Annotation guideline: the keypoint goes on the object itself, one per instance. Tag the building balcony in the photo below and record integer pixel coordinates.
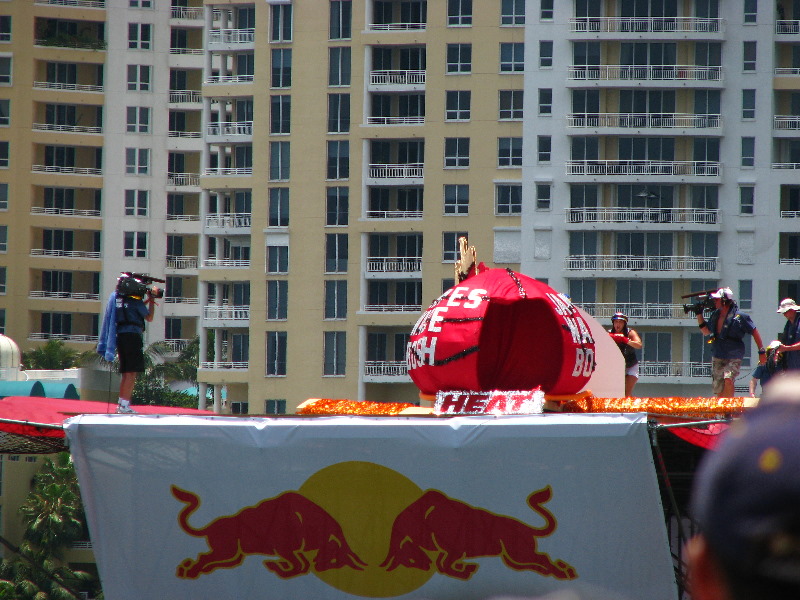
(226, 263)
(398, 26)
(239, 314)
(392, 308)
(644, 120)
(789, 261)
(787, 71)
(642, 311)
(217, 365)
(699, 216)
(176, 345)
(74, 42)
(228, 79)
(63, 295)
(183, 179)
(410, 215)
(228, 172)
(786, 165)
(397, 78)
(184, 134)
(790, 214)
(186, 51)
(787, 27)
(786, 123)
(66, 170)
(233, 130)
(185, 97)
(239, 221)
(180, 263)
(66, 128)
(644, 167)
(73, 3)
(67, 337)
(644, 73)
(401, 171)
(672, 370)
(394, 264)
(418, 120)
(180, 300)
(64, 212)
(385, 371)
(239, 39)
(183, 218)
(657, 264)
(191, 13)
(645, 25)
(64, 253)
(67, 87)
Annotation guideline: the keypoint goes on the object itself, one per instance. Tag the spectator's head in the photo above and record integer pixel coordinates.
(724, 295)
(746, 500)
(788, 308)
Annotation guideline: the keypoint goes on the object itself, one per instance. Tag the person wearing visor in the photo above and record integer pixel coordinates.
(628, 341)
(727, 328)
(790, 340)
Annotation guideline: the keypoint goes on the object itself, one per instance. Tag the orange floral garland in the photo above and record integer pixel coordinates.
(664, 406)
(328, 406)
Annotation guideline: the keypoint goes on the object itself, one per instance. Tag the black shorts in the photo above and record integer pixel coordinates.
(130, 348)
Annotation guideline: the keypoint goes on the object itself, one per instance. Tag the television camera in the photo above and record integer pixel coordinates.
(703, 301)
(139, 284)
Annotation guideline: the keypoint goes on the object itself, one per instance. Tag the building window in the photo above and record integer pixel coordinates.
(456, 199)
(4, 238)
(751, 11)
(512, 57)
(341, 14)
(280, 114)
(278, 207)
(338, 113)
(456, 152)
(137, 161)
(336, 250)
(457, 105)
(275, 407)
(135, 244)
(281, 59)
(338, 159)
(3, 196)
(276, 353)
(4, 154)
(136, 203)
(337, 202)
(745, 296)
(5, 70)
(510, 105)
(459, 13)
(139, 78)
(543, 196)
(339, 66)
(335, 299)
(508, 199)
(2, 280)
(450, 250)
(545, 101)
(277, 299)
(748, 104)
(749, 51)
(5, 113)
(335, 343)
(747, 200)
(138, 119)
(545, 54)
(546, 10)
(279, 161)
(748, 151)
(459, 58)
(240, 408)
(140, 3)
(277, 259)
(140, 36)
(509, 152)
(5, 28)
(512, 12)
(281, 23)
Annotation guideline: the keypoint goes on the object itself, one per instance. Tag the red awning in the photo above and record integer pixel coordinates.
(706, 437)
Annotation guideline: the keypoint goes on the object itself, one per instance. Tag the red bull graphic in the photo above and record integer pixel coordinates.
(369, 531)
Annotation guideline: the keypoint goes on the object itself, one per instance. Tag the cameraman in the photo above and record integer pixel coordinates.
(727, 328)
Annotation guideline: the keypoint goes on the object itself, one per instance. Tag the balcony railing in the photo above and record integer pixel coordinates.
(384, 308)
(67, 212)
(418, 120)
(243, 128)
(67, 87)
(176, 345)
(67, 337)
(385, 368)
(786, 26)
(181, 96)
(786, 122)
(179, 300)
(227, 313)
(181, 262)
(64, 253)
(645, 25)
(394, 214)
(789, 261)
(184, 134)
(184, 12)
(604, 310)
(184, 218)
(790, 214)
(621, 262)
(674, 369)
(76, 42)
(63, 295)
(228, 220)
(787, 165)
(645, 120)
(394, 77)
(406, 171)
(228, 172)
(66, 170)
(394, 264)
(183, 179)
(76, 3)
(212, 364)
(790, 71)
(231, 36)
(704, 216)
(644, 73)
(231, 263)
(644, 167)
(186, 51)
(397, 26)
(229, 79)
(66, 128)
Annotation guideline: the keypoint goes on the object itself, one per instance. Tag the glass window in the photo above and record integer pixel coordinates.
(338, 159)
(279, 161)
(546, 10)
(3, 196)
(139, 78)
(138, 119)
(749, 56)
(281, 23)
(341, 16)
(338, 113)
(512, 12)
(509, 152)
(748, 104)
(5, 113)
(277, 259)
(747, 199)
(4, 151)
(545, 54)
(275, 407)
(136, 203)
(337, 206)
(745, 297)
(280, 114)
(2, 280)
(457, 106)
(456, 152)
(456, 199)
(336, 251)
(335, 343)
(135, 244)
(459, 58)
(276, 353)
(459, 13)
(751, 11)
(450, 249)
(140, 3)
(5, 28)
(508, 199)
(339, 66)
(545, 101)
(748, 151)
(3, 238)
(543, 196)
(277, 299)
(335, 299)
(510, 102)
(140, 36)
(137, 161)
(278, 207)
(5, 70)
(281, 59)
(512, 57)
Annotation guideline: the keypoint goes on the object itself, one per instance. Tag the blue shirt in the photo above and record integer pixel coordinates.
(762, 374)
(728, 342)
(791, 335)
(131, 313)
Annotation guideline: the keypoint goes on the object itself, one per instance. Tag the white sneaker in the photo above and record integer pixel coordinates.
(127, 410)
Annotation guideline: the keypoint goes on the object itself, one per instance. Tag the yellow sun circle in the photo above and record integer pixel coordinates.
(365, 498)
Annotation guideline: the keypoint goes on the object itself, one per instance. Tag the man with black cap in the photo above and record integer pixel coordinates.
(746, 500)
(790, 340)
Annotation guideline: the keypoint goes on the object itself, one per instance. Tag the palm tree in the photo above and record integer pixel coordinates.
(55, 355)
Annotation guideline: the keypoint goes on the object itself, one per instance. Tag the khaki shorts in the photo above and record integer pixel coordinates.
(722, 369)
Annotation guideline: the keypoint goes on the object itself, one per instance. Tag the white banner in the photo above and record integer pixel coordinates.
(461, 508)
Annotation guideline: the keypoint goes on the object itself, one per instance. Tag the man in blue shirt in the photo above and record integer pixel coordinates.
(790, 341)
(131, 314)
(728, 326)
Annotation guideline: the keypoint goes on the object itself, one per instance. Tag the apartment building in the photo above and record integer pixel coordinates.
(662, 152)
(100, 147)
(348, 145)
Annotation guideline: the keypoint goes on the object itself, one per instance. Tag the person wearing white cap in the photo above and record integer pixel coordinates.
(790, 340)
(727, 328)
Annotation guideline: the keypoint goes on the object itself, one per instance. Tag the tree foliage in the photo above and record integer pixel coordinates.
(55, 355)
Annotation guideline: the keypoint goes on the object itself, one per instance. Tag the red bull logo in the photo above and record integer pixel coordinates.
(369, 531)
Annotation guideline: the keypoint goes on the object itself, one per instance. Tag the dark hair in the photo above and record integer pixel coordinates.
(747, 586)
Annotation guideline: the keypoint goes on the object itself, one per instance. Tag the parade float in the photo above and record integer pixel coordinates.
(521, 471)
